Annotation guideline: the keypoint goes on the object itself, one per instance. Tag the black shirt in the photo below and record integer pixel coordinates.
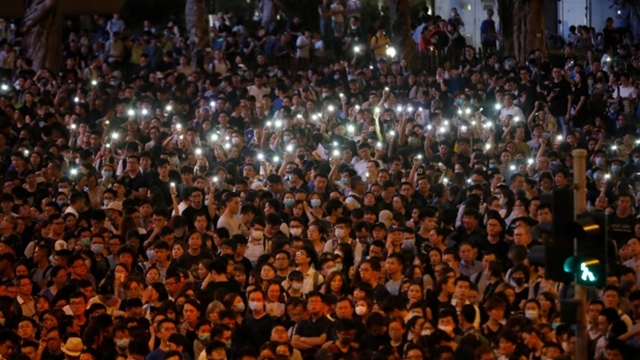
(621, 229)
(256, 332)
(310, 328)
(187, 261)
(190, 213)
(136, 183)
(558, 104)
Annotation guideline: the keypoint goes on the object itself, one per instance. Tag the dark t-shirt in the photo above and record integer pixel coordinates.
(136, 183)
(310, 328)
(187, 261)
(558, 104)
(501, 248)
(256, 332)
(190, 213)
(621, 229)
(165, 189)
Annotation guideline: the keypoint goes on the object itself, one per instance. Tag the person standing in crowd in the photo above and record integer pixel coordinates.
(350, 204)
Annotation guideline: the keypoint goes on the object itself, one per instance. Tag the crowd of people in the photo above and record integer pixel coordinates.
(276, 198)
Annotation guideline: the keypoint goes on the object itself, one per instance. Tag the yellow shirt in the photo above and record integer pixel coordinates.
(375, 40)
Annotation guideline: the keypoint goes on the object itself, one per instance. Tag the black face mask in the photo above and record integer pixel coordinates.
(202, 168)
(302, 157)
(518, 280)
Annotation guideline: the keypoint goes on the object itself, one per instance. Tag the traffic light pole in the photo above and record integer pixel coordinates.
(580, 206)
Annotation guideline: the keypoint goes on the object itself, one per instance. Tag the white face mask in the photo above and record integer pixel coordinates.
(341, 233)
(361, 310)
(531, 314)
(256, 234)
(295, 231)
(446, 328)
(426, 332)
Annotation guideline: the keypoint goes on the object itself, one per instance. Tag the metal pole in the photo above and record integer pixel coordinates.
(580, 206)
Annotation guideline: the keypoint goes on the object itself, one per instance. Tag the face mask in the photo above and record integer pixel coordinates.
(407, 244)
(288, 202)
(471, 102)
(227, 344)
(255, 306)
(286, 139)
(107, 174)
(344, 181)
(86, 241)
(460, 101)
(273, 147)
(235, 141)
(176, 161)
(340, 233)
(204, 337)
(636, 161)
(122, 343)
(297, 286)
(426, 332)
(240, 308)
(518, 281)
(361, 310)
(60, 203)
(554, 326)
(615, 168)
(257, 234)
(202, 168)
(493, 166)
(295, 231)
(151, 255)
(87, 263)
(531, 314)
(599, 161)
(324, 95)
(106, 202)
(597, 177)
(97, 248)
(413, 141)
(315, 203)
(338, 267)
(302, 157)
(336, 77)
(446, 328)
(590, 82)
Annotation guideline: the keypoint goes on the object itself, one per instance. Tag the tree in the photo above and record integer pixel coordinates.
(399, 13)
(43, 34)
(522, 27)
(196, 21)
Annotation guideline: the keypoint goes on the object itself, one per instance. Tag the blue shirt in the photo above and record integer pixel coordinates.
(157, 354)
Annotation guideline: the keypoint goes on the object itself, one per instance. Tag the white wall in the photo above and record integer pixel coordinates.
(572, 12)
(472, 13)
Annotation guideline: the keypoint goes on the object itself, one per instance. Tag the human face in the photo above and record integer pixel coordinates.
(190, 313)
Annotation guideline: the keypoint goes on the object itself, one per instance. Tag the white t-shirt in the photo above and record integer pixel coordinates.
(305, 50)
(626, 92)
(513, 111)
(259, 93)
(318, 48)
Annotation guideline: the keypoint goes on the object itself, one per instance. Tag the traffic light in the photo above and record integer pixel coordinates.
(561, 246)
(590, 263)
